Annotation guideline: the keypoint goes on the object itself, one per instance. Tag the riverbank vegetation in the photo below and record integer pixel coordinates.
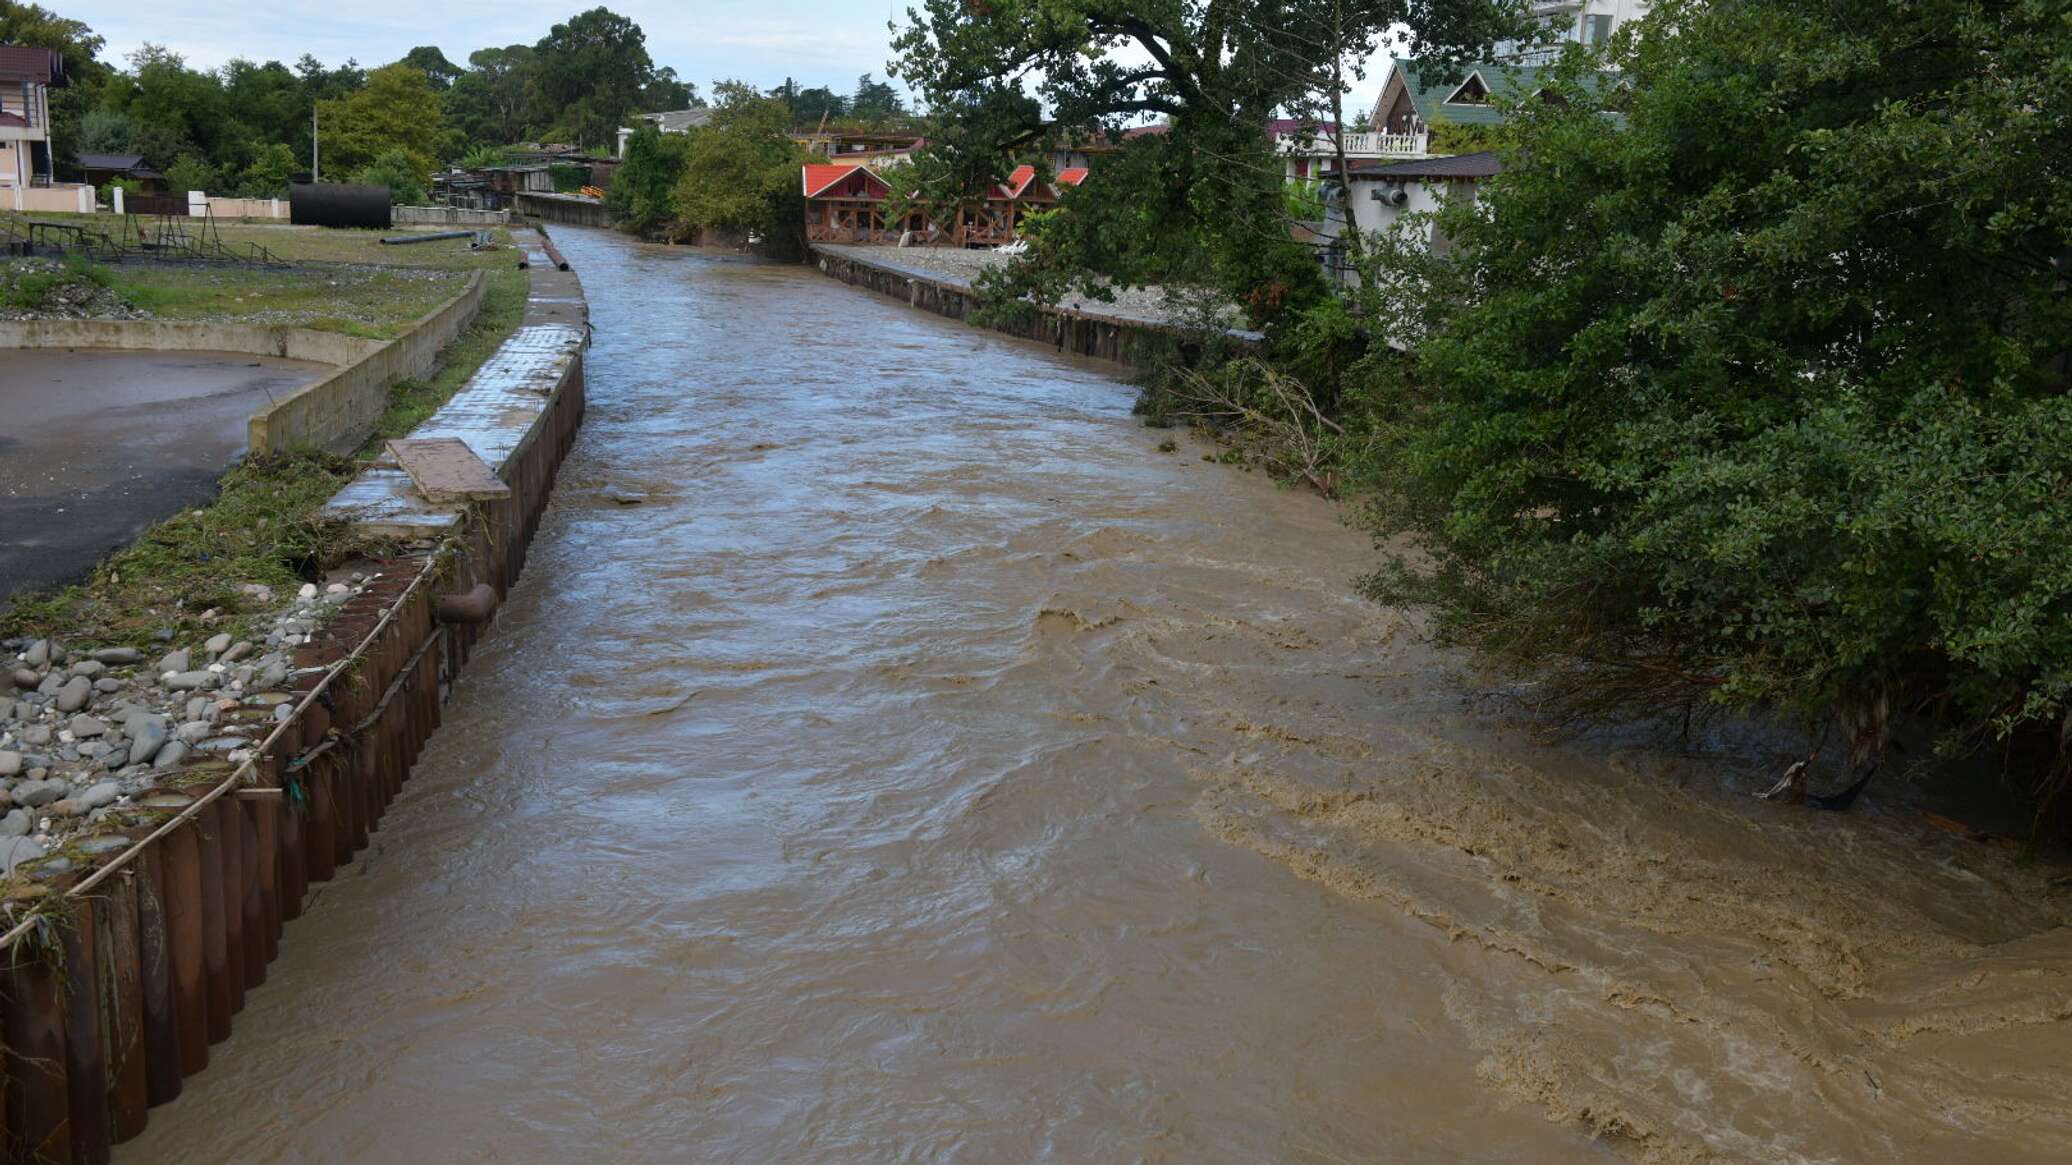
(1742, 387)
(734, 179)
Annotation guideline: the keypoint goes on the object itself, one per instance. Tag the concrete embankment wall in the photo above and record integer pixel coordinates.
(1136, 343)
(339, 411)
(141, 941)
(562, 208)
(451, 216)
(335, 412)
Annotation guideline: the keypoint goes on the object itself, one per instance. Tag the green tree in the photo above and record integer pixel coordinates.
(1200, 203)
(191, 172)
(876, 102)
(589, 76)
(439, 71)
(105, 131)
(639, 197)
(1758, 395)
(810, 106)
(666, 91)
(741, 172)
(269, 173)
(398, 171)
(397, 112)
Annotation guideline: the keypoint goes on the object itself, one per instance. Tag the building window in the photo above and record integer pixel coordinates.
(1597, 28)
(1471, 92)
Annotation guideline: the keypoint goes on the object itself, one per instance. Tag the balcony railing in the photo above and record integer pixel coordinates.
(1357, 145)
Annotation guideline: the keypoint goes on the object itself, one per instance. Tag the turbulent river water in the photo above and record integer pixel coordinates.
(932, 769)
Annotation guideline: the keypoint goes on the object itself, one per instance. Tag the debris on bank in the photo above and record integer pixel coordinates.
(45, 289)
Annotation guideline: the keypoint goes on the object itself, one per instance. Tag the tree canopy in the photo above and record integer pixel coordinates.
(1201, 202)
(1746, 382)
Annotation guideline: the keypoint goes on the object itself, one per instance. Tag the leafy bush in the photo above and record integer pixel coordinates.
(394, 170)
(568, 179)
(1762, 398)
(639, 193)
(484, 157)
(189, 173)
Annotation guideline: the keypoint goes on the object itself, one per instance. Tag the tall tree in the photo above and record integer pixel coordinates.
(741, 172)
(591, 72)
(1757, 393)
(490, 102)
(427, 59)
(396, 113)
(875, 101)
(1203, 202)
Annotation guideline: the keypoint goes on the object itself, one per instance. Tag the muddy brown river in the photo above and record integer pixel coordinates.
(934, 770)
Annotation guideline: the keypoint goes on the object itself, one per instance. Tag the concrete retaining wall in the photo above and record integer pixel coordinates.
(339, 411)
(170, 336)
(1135, 343)
(562, 208)
(448, 216)
(335, 413)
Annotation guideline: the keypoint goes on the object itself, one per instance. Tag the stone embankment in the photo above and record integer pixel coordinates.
(88, 734)
(176, 801)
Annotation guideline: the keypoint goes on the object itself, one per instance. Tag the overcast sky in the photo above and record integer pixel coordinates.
(820, 42)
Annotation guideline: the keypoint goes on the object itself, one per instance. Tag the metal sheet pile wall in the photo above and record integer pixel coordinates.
(145, 940)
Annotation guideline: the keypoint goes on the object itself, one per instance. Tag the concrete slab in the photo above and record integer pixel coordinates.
(97, 445)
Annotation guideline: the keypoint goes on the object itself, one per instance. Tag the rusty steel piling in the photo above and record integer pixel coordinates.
(116, 978)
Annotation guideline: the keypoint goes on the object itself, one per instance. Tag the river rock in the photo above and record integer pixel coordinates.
(16, 850)
(75, 694)
(35, 794)
(193, 681)
(193, 732)
(10, 764)
(90, 668)
(119, 656)
(237, 652)
(25, 678)
(147, 736)
(175, 661)
(15, 824)
(38, 655)
(87, 727)
(101, 794)
(217, 644)
(107, 685)
(170, 756)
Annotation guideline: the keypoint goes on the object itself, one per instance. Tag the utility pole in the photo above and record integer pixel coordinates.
(316, 171)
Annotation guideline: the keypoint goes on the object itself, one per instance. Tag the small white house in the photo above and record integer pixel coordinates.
(1380, 193)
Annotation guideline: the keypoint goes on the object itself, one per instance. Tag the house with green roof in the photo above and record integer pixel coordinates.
(1417, 97)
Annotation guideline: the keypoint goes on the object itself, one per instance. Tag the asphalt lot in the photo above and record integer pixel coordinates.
(97, 445)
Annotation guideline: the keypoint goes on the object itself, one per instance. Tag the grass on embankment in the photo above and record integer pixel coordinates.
(373, 303)
(261, 528)
(377, 297)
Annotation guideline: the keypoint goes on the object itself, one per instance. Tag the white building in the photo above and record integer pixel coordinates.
(26, 75)
(1586, 22)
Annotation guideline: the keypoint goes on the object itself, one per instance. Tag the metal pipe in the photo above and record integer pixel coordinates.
(405, 240)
